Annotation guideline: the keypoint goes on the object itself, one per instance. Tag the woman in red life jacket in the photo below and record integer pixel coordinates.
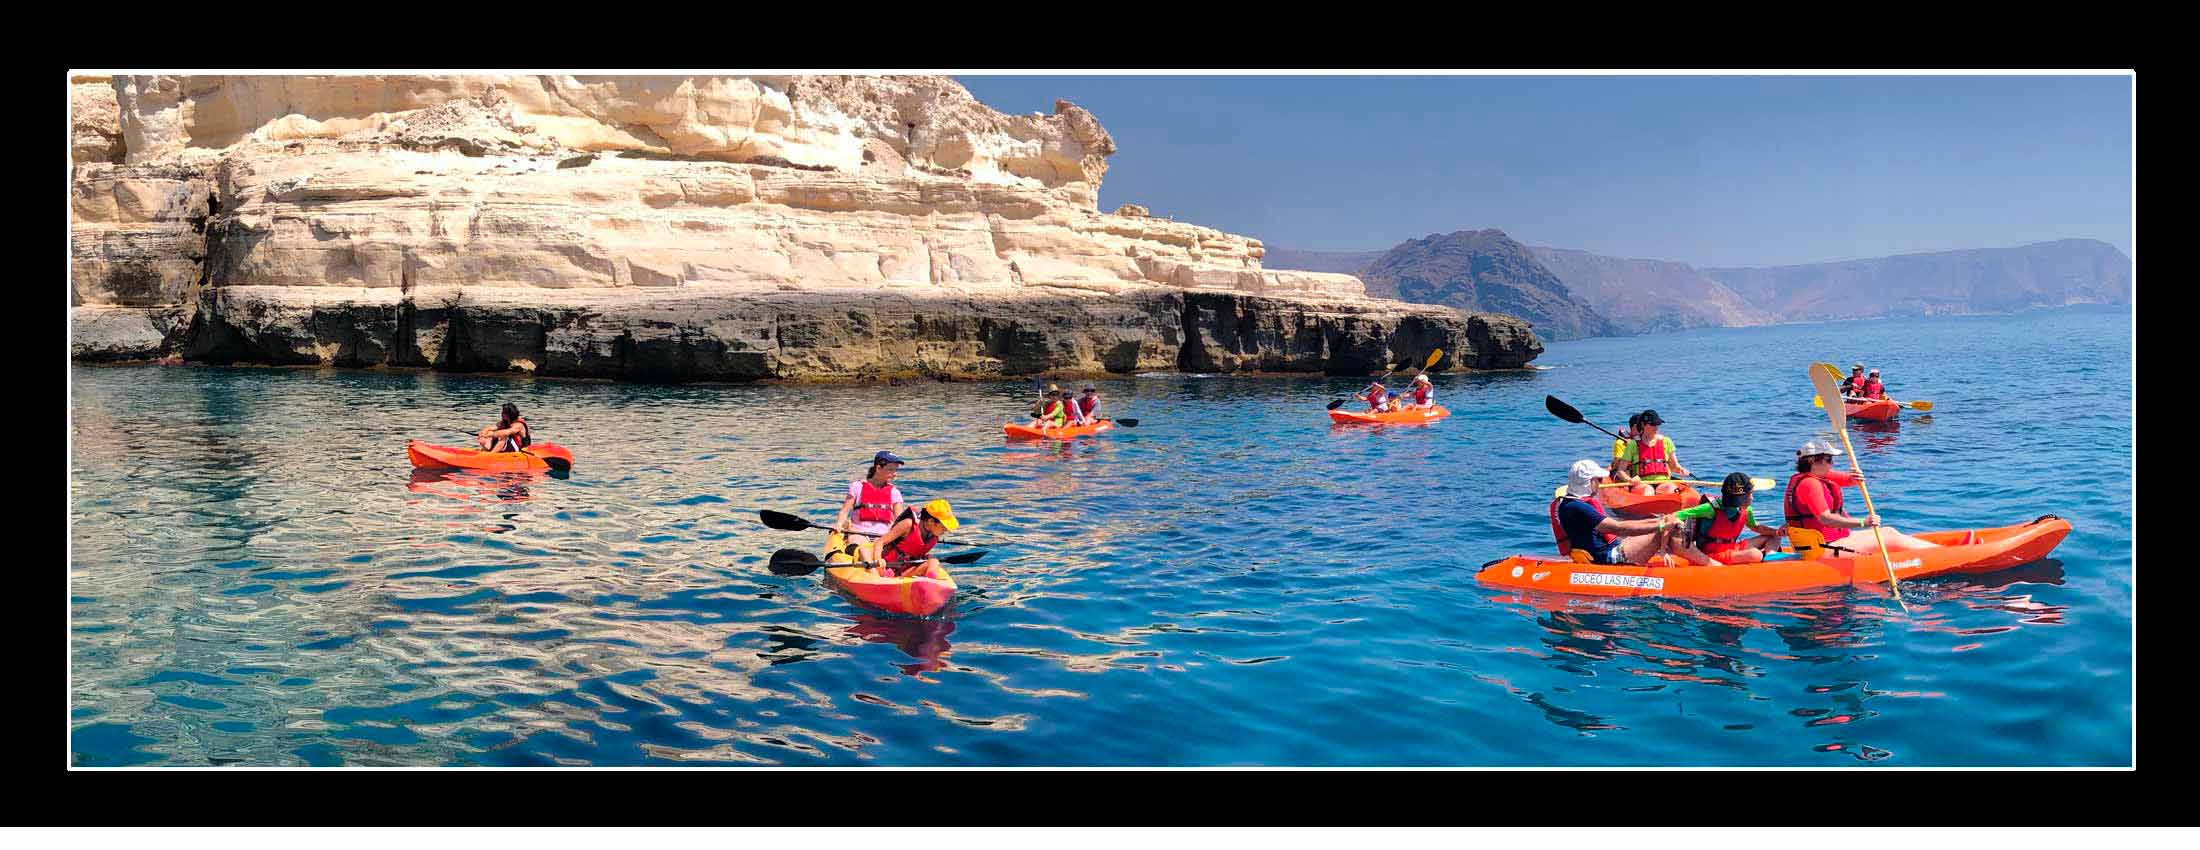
(1814, 501)
(1579, 522)
(1873, 388)
(1423, 392)
(1647, 459)
(1716, 527)
(907, 547)
(1377, 397)
(509, 435)
(873, 502)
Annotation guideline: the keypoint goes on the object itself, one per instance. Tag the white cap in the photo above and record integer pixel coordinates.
(1581, 479)
(1423, 377)
(1815, 446)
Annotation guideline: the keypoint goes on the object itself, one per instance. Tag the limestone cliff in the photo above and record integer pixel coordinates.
(669, 228)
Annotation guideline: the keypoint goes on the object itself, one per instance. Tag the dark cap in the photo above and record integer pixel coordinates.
(1650, 417)
(886, 457)
(1089, 389)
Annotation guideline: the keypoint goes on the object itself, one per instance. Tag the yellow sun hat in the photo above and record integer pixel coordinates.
(938, 509)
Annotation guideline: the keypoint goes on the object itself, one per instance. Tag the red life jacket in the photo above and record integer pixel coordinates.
(1852, 385)
(1797, 516)
(1874, 389)
(1055, 412)
(1087, 403)
(1649, 461)
(875, 504)
(913, 546)
(1376, 394)
(1720, 534)
(1420, 393)
(1558, 530)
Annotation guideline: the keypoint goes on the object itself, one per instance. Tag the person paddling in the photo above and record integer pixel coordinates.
(1853, 385)
(1647, 458)
(1053, 413)
(1581, 525)
(1376, 395)
(510, 434)
(1424, 392)
(907, 546)
(1715, 527)
(873, 501)
(1873, 388)
(1813, 501)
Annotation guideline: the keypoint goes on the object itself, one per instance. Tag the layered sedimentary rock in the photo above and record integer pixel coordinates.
(669, 228)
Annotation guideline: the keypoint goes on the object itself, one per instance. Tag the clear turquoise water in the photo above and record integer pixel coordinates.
(257, 575)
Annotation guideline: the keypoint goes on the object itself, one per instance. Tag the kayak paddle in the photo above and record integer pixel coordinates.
(1824, 376)
(799, 562)
(790, 522)
(1919, 406)
(1426, 365)
(1567, 412)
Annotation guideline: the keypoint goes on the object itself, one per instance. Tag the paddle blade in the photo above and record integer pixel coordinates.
(794, 562)
(1433, 356)
(1761, 484)
(1919, 406)
(1826, 377)
(1561, 409)
(964, 558)
(785, 522)
(1336, 404)
(1127, 423)
(1559, 493)
(1818, 401)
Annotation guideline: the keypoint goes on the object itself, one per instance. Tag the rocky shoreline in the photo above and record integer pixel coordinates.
(672, 229)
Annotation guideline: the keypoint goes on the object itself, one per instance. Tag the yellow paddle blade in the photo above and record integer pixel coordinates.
(1817, 401)
(1825, 377)
(1920, 406)
(1433, 356)
(1559, 493)
(1761, 483)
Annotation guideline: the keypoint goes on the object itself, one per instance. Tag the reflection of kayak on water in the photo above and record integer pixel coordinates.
(923, 640)
(470, 485)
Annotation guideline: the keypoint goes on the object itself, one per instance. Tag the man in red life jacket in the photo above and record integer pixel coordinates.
(1585, 532)
(873, 501)
(1376, 395)
(1853, 385)
(906, 549)
(1085, 409)
(1814, 501)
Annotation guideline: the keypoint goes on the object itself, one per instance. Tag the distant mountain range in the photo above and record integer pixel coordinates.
(1569, 293)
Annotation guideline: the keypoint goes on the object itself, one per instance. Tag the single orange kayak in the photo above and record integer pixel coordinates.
(1624, 500)
(1408, 416)
(1052, 433)
(1871, 411)
(1978, 551)
(916, 595)
(534, 458)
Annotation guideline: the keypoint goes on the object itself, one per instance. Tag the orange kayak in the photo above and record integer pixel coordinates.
(919, 596)
(1408, 416)
(1979, 551)
(1051, 433)
(1624, 500)
(1871, 411)
(531, 459)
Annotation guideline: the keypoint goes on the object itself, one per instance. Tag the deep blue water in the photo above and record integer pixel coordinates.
(258, 576)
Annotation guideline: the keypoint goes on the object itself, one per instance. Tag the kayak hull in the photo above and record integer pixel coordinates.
(1624, 500)
(1994, 549)
(1879, 410)
(1065, 432)
(1408, 416)
(431, 456)
(917, 596)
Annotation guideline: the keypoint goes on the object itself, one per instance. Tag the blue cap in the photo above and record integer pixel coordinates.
(887, 457)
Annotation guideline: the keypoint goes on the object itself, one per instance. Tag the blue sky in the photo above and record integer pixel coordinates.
(1713, 171)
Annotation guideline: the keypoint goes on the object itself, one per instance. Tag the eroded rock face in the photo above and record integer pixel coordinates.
(666, 227)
